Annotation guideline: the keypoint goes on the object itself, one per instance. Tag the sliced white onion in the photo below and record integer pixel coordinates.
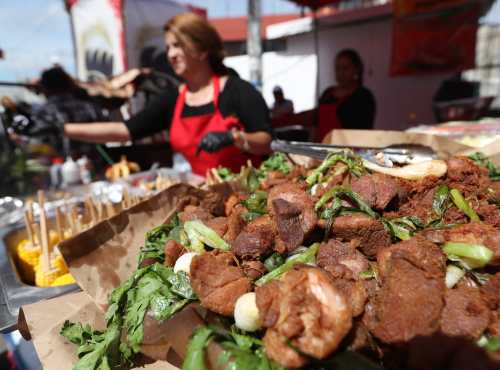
(183, 263)
(246, 313)
(412, 171)
(453, 275)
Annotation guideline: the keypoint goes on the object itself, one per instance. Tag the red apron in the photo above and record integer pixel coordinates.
(187, 132)
(327, 119)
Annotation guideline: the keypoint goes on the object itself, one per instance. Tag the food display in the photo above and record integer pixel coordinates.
(338, 266)
(69, 221)
(121, 169)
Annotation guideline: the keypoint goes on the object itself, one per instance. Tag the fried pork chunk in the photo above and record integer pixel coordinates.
(463, 174)
(302, 310)
(465, 314)
(256, 240)
(218, 281)
(411, 298)
(369, 234)
(377, 190)
(292, 211)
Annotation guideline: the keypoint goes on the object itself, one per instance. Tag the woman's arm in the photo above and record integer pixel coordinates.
(258, 143)
(99, 132)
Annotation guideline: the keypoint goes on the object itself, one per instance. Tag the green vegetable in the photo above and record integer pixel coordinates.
(225, 174)
(371, 273)
(256, 202)
(308, 256)
(240, 352)
(276, 162)
(471, 255)
(154, 287)
(250, 216)
(354, 164)
(493, 344)
(481, 160)
(200, 234)
(274, 261)
(439, 202)
(403, 228)
(339, 192)
(195, 355)
(154, 246)
(462, 204)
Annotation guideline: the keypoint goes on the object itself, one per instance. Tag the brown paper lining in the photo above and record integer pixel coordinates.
(106, 255)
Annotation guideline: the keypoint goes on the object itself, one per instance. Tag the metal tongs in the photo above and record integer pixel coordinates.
(400, 154)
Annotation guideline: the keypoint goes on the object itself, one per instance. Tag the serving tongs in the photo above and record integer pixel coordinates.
(400, 154)
(417, 160)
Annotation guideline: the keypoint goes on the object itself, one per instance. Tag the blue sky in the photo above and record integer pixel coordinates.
(34, 34)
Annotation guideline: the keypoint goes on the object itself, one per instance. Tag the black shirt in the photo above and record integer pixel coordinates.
(239, 98)
(357, 111)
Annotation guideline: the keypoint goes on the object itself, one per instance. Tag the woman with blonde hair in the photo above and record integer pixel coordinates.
(213, 118)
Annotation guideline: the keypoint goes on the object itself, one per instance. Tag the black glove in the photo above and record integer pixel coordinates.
(214, 141)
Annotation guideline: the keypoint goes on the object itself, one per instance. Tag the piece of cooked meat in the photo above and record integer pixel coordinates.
(288, 223)
(464, 314)
(477, 233)
(192, 213)
(305, 309)
(489, 213)
(470, 179)
(377, 189)
(408, 304)
(218, 224)
(213, 202)
(218, 281)
(235, 223)
(253, 245)
(173, 251)
(253, 269)
(419, 251)
(491, 292)
(291, 206)
(370, 234)
(334, 252)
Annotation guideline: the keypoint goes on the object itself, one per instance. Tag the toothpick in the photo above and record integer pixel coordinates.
(90, 206)
(44, 232)
(100, 211)
(59, 224)
(74, 219)
(71, 221)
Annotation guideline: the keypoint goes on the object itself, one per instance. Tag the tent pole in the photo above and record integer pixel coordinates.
(254, 43)
(316, 48)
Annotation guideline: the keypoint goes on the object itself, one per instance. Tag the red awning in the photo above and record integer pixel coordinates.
(314, 4)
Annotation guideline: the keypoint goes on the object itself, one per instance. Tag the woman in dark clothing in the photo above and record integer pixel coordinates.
(349, 104)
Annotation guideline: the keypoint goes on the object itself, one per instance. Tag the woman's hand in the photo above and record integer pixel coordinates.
(214, 141)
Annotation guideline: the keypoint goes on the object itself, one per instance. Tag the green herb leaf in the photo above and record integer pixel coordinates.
(225, 174)
(256, 202)
(493, 344)
(195, 355)
(439, 202)
(276, 162)
(481, 160)
(307, 256)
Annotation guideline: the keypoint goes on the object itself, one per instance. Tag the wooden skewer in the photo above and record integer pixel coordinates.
(110, 209)
(29, 228)
(74, 219)
(91, 210)
(126, 198)
(29, 210)
(79, 223)
(100, 211)
(70, 219)
(44, 232)
(59, 224)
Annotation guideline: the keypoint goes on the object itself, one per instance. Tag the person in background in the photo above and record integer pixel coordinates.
(348, 104)
(281, 105)
(214, 119)
(64, 104)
